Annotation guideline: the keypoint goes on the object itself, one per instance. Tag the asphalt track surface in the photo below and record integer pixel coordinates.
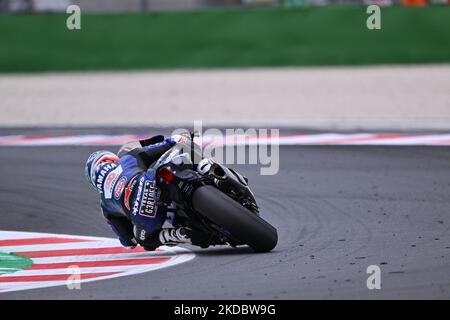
(337, 210)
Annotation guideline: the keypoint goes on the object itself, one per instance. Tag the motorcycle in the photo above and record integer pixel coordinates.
(218, 203)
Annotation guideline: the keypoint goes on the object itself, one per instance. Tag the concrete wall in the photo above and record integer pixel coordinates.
(362, 98)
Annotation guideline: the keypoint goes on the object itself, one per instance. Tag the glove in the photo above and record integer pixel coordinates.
(148, 241)
(123, 229)
(151, 243)
(152, 140)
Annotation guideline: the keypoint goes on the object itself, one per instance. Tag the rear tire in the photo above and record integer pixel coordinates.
(240, 222)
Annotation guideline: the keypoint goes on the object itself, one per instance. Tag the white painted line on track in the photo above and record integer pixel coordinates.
(283, 139)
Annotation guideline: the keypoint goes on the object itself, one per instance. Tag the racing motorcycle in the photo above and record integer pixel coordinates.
(219, 203)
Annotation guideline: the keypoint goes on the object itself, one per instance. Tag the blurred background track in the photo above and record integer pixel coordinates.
(289, 64)
(260, 37)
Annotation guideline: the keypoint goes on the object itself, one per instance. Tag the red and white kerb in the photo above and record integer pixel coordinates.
(55, 257)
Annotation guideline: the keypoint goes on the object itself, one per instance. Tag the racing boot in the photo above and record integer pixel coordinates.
(173, 236)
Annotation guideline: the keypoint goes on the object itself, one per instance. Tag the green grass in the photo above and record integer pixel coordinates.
(221, 39)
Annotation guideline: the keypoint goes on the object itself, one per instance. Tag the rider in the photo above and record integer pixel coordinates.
(129, 194)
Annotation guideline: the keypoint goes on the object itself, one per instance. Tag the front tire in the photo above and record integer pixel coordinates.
(240, 222)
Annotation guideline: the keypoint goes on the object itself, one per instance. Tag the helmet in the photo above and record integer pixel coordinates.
(95, 161)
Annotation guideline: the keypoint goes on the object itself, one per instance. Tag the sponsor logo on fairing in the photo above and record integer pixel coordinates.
(110, 181)
(104, 170)
(128, 191)
(148, 203)
(138, 196)
(145, 202)
(118, 190)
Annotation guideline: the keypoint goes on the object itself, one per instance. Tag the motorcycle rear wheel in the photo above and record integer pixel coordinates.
(240, 222)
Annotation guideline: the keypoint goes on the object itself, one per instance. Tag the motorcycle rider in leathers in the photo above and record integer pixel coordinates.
(129, 194)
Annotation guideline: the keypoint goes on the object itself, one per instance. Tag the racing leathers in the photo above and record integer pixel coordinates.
(129, 196)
